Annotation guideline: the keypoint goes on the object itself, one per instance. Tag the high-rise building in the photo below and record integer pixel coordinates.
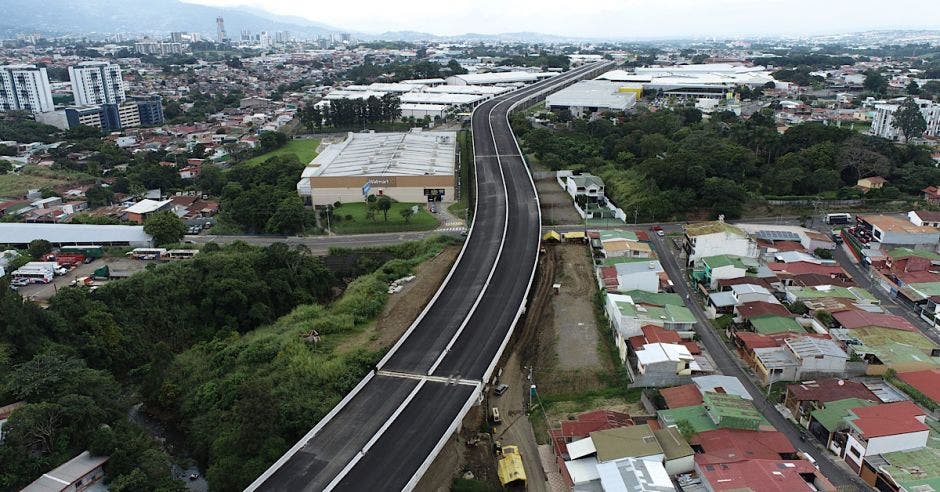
(177, 37)
(25, 87)
(150, 109)
(246, 36)
(96, 82)
(220, 29)
(883, 121)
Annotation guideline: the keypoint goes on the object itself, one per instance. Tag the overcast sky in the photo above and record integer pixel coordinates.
(609, 18)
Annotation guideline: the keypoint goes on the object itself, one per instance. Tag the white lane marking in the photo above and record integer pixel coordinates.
(365, 449)
(499, 252)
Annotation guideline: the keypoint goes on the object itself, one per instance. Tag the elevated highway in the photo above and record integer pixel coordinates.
(386, 432)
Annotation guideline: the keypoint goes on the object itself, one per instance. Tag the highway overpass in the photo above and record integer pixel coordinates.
(386, 432)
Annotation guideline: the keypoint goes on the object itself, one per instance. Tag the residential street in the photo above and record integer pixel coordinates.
(727, 363)
(863, 279)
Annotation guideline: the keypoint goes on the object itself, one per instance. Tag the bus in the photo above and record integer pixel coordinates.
(838, 219)
(181, 254)
(88, 251)
(146, 253)
(34, 275)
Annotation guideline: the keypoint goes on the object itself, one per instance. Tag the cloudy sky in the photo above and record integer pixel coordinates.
(609, 18)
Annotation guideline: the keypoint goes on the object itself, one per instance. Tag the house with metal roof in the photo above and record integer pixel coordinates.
(628, 316)
(732, 411)
(884, 428)
(772, 364)
(78, 473)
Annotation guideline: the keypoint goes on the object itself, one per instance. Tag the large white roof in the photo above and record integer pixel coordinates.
(383, 87)
(18, 233)
(483, 90)
(416, 153)
(593, 93)
(146, 206)
(671, 77)
(436, 98)
(496, 78)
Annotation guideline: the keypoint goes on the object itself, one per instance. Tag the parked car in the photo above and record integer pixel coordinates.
(658, 230)
(500, 389)
(19, 282)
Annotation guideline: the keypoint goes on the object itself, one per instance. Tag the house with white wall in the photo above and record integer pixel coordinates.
(716, 238)
(884, 429)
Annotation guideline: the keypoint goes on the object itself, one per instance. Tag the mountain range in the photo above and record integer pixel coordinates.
(156, 17)
(159, 17)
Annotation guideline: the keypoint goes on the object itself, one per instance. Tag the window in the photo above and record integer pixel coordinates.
(855, 452)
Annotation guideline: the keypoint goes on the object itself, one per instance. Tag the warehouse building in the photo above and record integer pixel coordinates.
(590, 97)
(498, 78)
(19, 235)
(713, 80)
(417, 166)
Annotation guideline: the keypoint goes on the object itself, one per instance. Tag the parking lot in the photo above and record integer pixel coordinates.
(41, 293)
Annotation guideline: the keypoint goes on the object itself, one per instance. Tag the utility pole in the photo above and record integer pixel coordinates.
(636, 212)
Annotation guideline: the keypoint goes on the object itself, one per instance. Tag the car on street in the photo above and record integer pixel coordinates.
(19, 282)
(658, 230)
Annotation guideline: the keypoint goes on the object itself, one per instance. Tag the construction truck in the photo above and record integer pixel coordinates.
(509, 467)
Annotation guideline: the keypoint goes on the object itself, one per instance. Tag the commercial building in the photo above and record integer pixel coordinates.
(710, 80)
(589, 97)
(417, 166)
(888, 229)
(26, 88)
(78, 473)
(882, 124)
(117, 116)
(97, 82)
(19, 235)
(497, 78)
(149, 47)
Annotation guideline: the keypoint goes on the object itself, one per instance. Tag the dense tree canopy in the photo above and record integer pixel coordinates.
(669, 164)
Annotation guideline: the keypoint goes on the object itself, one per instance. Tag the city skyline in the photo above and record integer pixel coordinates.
(607, 18)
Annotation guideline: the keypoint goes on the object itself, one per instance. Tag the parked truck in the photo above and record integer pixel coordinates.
(68, 260)
(92, 252)
(510, 469)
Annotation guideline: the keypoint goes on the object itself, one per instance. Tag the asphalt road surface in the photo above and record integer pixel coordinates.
(391, 429)
(727, 364)
(863, 279)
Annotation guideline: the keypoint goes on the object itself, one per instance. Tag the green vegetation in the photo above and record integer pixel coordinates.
(217, 347)
(304, 150)
(353, 218)
(165, 227)
(34, 177)
(675, 165)
(462, 208)
(261, 197)
(346, 113)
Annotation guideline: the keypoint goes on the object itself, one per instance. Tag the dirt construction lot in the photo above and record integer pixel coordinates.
(555, 203)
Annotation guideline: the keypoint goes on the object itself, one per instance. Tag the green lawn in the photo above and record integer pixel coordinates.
(16, 184)
(359, 224)
(305, 150)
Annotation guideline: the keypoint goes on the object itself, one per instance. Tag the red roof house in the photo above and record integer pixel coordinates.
(687, 395)
(860, 319)
(762, 475)
(730, 445)
(926, 381)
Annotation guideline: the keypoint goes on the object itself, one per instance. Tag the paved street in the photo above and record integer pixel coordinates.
(727, 363)
(864, 279)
